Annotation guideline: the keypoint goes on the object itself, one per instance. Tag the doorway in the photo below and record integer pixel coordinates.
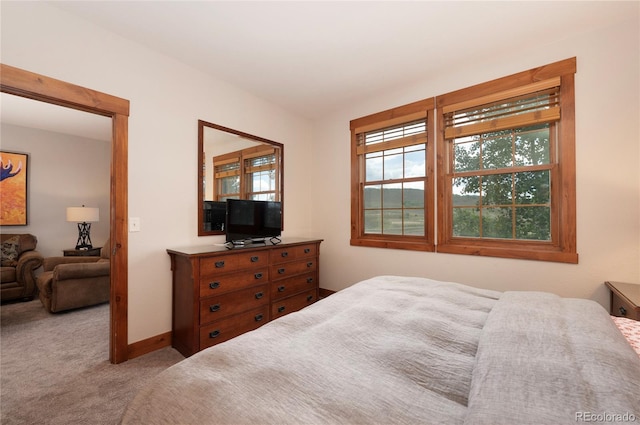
(38, 87)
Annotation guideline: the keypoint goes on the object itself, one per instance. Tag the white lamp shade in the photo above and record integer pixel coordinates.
(83, 214)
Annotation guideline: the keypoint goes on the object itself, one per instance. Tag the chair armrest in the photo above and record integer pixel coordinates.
(28, 262)
(50, 263)
(81, 270)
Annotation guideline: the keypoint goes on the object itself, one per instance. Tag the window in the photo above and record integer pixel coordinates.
(247, 174)
(260, 170)
(506, 182)
(392, 159)
(505, 170)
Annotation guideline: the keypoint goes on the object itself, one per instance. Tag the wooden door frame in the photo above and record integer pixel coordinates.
(38, 87)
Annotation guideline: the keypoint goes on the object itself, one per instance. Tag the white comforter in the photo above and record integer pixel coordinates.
(397, 350)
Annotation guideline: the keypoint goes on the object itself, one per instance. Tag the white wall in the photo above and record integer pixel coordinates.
(608, 181)
(167, 99)
(64, 171)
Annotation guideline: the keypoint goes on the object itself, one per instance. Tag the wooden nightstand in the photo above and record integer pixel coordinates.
(93, 252)
(625, 299)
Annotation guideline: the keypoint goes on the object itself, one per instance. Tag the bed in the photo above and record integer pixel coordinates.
(406, 350)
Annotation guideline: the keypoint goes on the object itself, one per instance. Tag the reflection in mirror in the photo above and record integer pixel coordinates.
(234, 165)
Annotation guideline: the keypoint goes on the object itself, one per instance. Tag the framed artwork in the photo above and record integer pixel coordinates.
(13, 188)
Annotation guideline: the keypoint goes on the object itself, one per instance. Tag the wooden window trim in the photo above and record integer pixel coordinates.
(563, 190)
(563, 247)
(402, 114)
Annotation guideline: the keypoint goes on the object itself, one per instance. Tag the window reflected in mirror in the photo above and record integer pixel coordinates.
(234, 165)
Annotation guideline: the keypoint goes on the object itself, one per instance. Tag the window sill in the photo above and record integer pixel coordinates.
(520, 251)
(412, 245)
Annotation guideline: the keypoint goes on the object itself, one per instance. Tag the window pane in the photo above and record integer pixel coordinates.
(533, 223)
(392, 222)
(392, 195)
(532, 146)
(373, 167)
(533, 187)
(372, 197)
(393, 166)
(262, 181)
(415, 163)
(466, 151)
(263, 196)
(466, 190)
(373, 221)
(413, 195)
(496, 150)
(497, 223)
(230, 184)
(414, 222)
(466, 222)
(496, 189)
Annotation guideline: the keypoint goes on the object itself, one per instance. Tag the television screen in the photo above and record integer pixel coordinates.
(249, 220)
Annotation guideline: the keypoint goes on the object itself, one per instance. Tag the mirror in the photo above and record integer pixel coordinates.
(233, 164)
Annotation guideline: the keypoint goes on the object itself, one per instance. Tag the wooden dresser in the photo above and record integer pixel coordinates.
(220, 293)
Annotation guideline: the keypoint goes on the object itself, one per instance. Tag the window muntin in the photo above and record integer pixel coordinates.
(505, 178)
(393, 188)
(261, 177)
(226, 179)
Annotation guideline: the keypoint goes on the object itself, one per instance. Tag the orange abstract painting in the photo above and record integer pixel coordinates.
(13, 189)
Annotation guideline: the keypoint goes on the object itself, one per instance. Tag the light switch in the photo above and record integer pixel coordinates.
(134, 224)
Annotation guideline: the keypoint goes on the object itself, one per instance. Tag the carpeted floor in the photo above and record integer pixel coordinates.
(54, 368)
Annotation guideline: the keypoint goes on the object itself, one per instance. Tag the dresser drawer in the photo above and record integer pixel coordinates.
(291, 304)
(224, 329)
(233, 262)
(281, 255)
(623, 308)
(230, 282)
(218, 307)
(291, 286)
(280, 271)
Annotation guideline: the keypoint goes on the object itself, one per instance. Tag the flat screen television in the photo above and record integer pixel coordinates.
(250, 221)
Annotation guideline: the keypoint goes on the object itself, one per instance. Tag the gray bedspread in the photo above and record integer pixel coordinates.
(400, 350)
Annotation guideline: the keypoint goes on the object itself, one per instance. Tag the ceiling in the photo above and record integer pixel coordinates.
(312, 57)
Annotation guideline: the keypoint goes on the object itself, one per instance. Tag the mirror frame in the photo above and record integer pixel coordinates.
(201, 126)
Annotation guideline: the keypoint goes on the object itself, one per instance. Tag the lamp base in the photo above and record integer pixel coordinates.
(84, 240)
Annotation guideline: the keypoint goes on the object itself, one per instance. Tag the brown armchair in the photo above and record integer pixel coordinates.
(73, 282)
(20, 260)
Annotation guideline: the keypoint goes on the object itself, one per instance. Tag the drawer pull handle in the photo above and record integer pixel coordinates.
(284, 254)
(259, 317)
(219, 264)
(310, 298)
(214, 334)
(281, 288)
(623, 311)
(214, 285)
(307, 250)
(280, 309)
(254, 259)
(310, 264)
(214, 308)
(258, 275)
(309, 280)
(280, 271)
(259, 295)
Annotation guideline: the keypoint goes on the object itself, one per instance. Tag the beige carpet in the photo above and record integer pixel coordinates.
(54, 369)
